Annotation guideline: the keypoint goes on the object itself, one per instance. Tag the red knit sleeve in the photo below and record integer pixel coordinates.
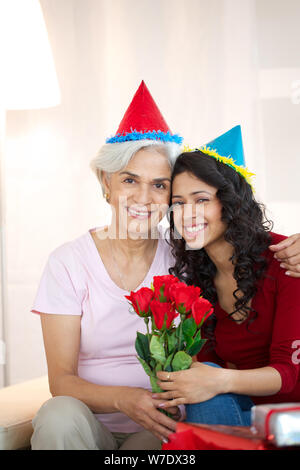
(286, 330)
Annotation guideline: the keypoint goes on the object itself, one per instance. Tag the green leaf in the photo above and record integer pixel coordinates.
(162, 338)
(189, 327)
(168, 366)
(181, 361)
(172, 342)
(142, 346)
(198, 336)
(196, 347)
(146, 366)
(189, 342)
(158, 367)
(155, 387)
(157, 349)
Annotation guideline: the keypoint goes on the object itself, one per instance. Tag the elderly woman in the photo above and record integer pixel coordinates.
(101, 395)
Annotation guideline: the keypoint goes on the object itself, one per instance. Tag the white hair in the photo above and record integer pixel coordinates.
(112, 158)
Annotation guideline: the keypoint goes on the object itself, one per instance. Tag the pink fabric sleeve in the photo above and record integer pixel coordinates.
(59, 290)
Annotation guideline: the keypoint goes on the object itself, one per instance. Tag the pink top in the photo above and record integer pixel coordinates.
(75, 282)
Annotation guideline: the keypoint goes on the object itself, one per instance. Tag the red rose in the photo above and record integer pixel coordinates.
(162, 285)
(140, 301)
(162, 311)
(201, 309)
(184, 296)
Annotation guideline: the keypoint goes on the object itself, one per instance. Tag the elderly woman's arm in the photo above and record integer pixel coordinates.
(288, 253)
(62, 341)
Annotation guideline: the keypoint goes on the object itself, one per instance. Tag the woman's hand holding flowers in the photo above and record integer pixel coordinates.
(199, 383)
(144, 410)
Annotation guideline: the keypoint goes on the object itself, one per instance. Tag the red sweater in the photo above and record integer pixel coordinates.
(272, 339)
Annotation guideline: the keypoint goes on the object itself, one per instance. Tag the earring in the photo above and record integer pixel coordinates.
(106, 195)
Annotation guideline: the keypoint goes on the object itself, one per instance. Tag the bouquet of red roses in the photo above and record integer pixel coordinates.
(166, 346)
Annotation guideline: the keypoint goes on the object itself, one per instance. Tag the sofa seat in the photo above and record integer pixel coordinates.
(18, 405)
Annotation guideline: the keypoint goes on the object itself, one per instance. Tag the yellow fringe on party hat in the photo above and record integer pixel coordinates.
(244, 172)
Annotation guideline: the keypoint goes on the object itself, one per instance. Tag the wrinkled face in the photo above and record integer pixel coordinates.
(197, 211)
(139, 193)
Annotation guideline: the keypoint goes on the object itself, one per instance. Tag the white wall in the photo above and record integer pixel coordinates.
(279, 63)
(206, 62)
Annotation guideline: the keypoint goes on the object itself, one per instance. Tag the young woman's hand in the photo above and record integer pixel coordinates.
(139, 405)
(199, 383)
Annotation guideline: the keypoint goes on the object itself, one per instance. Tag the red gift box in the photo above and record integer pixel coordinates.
(215, 437)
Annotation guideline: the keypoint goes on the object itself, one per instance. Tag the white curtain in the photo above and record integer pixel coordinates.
(199, 59)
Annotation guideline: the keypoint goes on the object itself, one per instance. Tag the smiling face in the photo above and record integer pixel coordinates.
(197, 211)
(139, 193)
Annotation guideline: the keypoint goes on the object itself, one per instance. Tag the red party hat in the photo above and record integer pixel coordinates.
(143, 120)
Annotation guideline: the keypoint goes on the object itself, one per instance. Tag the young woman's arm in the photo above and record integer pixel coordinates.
(62, 340)
(255, 382)
(202, 382)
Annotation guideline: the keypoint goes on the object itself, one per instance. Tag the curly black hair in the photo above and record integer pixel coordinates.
(248, 231)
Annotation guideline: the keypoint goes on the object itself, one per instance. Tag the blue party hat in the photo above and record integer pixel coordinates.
(230, 144)
(228, 149)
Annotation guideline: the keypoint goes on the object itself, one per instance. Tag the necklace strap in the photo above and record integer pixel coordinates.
(117, 267)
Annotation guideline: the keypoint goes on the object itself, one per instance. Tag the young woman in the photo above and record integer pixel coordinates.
(251, 354)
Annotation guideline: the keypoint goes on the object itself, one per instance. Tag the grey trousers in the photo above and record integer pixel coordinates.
(65, 423)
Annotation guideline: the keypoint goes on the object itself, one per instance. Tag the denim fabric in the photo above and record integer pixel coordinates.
(229, 409)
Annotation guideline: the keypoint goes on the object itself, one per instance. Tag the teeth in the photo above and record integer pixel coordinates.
(141, 214)
(195, 229)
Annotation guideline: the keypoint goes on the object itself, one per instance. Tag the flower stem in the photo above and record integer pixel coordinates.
(146, 320)
(182, 318)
